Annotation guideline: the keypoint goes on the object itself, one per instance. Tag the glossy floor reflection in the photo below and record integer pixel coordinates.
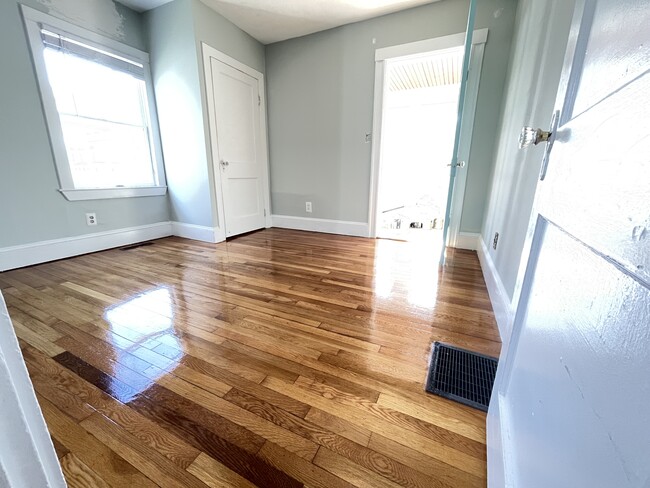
(280, 358)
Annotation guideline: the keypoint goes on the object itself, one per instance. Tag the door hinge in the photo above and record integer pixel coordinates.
(259, 100)
(264, 212)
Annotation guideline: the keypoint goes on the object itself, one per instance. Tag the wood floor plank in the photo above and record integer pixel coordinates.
(419, 442)
(447, 422)
(59, 448)
(339, 426)
(148, 432)
(151, 463)
(78, 475)
(201, 430)
(308, 473)
(444, 474)
(215, 474)
(240, 416)
(430, 430)
(349, 471)
(286, 403)
(380, 464)
(108, 464)
(277, 358)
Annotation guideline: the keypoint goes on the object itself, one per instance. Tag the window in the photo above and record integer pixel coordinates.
(97, 99)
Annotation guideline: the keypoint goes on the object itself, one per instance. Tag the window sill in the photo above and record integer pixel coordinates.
(108, 193)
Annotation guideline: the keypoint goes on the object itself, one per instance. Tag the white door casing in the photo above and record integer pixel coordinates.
(414, 49)
(27, 456)
(236, 108)
(571, 396)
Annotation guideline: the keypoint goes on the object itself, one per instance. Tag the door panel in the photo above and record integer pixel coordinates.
(606, 65)
(240, 161)
(571, 405)
(572, 390)
(597, 179)
(237, 133)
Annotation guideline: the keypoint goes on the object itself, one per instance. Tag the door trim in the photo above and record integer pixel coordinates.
(415, 49)
(217, 196)
(29, 459)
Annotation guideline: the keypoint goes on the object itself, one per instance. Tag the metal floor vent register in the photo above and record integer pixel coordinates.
(463, 376)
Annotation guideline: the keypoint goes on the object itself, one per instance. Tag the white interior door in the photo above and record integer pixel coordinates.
(572, 393)
(239, 151)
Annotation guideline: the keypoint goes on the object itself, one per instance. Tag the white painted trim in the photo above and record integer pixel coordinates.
(467, 240)
(460, 181)
(418, 47)
(197, 232)
(32, 18)
(375, 156)
(27, 456)
(342, 227)
(51, 250)
(103, 193)
(208, 53)
(504, 313)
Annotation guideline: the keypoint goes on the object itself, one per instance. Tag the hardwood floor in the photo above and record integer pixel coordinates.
(281, 358)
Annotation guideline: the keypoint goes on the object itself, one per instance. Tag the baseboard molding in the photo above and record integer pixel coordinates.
(467, 240)
(195, 232)
(358, 229)
(503, 310)
(51, 250)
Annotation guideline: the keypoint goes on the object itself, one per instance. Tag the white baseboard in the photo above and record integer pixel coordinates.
(343, 227)
(467, 240)
(195, 232)
(51, 250)
(504, 312)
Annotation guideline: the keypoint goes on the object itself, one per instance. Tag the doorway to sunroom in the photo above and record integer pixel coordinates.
(420, 110)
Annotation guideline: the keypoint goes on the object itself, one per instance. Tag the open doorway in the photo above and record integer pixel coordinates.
(417, 86)
(420, 112)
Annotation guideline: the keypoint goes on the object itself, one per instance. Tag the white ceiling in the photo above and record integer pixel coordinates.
(276, 20)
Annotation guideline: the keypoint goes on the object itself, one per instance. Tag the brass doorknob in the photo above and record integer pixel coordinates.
(530, 136)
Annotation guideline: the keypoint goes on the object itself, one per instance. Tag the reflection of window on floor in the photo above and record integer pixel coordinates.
(420, 261)
(150, 346)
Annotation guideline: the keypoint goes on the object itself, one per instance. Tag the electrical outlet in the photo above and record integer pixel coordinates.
(495, 241)
(91, 218)
(368, 137)
(308, 207)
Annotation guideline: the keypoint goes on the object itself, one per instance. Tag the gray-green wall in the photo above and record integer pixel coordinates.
(31, 207)
(175, 33)
(532, 82)
(320, 106)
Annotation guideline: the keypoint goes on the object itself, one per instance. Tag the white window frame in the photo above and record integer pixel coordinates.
(32, 18)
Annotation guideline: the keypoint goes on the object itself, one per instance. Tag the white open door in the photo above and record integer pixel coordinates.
(239, 149)
(572, 394)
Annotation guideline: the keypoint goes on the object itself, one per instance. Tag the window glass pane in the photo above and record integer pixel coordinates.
(104, 118)
(107, 154)
(94, 90)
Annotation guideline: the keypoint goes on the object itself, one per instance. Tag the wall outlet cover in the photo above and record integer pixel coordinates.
(91, 218)
(308, 207)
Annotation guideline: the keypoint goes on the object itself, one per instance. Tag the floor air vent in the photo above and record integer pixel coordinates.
(463, 376)
(135, 246)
